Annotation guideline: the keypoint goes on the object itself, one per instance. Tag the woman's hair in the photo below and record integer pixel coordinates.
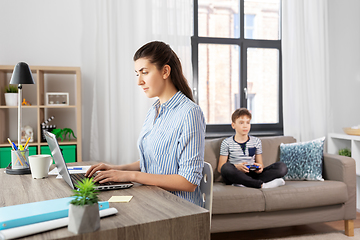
(160, 54)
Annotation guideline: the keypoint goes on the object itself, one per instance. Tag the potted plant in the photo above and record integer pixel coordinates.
(11, 95)
(84, 209)
(345, 152)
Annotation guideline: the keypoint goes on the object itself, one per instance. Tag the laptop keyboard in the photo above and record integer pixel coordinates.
(80, 176)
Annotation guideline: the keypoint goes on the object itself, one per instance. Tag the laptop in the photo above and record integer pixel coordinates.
(72, 179)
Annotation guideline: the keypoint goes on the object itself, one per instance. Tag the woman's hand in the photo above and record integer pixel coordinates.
(242, 167)
(97, 167)
(114, 176)
(260, 169)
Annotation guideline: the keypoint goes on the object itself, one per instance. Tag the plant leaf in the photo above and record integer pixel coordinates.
(86, 193)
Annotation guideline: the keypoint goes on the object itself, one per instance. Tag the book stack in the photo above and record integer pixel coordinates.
(31, 218)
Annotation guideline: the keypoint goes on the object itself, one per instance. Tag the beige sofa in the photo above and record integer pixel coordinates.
(296, 203)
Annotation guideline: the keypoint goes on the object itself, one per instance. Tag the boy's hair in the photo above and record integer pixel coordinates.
(240, 112)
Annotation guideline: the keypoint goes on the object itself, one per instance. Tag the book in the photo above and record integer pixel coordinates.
(35, 212)
(35, 228)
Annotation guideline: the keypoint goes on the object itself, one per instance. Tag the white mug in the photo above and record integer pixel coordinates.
(39, 165)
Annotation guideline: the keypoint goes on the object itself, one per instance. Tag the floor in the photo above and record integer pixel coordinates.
(286, 231)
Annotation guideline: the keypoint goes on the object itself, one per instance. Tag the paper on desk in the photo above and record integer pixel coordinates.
(83, 170)
(120, 199)
(54, 171)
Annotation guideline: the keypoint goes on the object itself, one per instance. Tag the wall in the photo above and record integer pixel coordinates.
(40, 32)
(43, 32)
(344, 44)
(344, 61)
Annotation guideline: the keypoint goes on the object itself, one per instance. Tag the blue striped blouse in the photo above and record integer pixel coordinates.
(174, 141)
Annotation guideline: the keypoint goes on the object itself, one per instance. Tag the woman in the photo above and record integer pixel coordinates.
(172, 140)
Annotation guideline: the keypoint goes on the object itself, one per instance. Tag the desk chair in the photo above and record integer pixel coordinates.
(206, 187)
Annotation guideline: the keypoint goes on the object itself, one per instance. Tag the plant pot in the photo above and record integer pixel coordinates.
(11, 99)
(83, 219)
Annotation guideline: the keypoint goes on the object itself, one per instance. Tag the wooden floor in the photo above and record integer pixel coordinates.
(286, 231)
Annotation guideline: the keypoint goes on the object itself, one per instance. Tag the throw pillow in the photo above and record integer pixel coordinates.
(303, 160)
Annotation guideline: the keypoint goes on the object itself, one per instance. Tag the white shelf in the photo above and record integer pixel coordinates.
(344, 136)
(337, 141)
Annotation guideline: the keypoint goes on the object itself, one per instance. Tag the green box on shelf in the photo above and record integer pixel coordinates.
(5, 155)
(68, 151)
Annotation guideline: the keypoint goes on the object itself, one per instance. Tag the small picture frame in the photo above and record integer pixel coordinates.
(56, 99)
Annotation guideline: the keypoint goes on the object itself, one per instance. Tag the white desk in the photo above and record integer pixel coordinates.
(337, 141)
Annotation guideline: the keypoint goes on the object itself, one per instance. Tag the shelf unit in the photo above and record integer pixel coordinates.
(337, 141)
(47, 79)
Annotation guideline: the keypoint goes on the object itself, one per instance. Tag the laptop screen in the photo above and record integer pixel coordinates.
(58, 157)
(63, 170)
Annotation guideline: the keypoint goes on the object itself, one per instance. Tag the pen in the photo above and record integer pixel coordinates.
(26, 142)
(15, 147)
(75, 168)
(13, 144)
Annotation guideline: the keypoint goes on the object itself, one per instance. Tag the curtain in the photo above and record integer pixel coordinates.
(119, 106)
(305, 57)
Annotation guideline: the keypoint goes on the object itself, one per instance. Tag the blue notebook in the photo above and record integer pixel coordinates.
(29, 213)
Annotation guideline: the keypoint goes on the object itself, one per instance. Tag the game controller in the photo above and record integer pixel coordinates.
(252, 167)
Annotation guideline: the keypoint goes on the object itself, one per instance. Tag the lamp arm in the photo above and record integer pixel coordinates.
(19, 113)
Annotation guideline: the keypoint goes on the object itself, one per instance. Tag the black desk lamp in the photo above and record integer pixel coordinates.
(21, 75)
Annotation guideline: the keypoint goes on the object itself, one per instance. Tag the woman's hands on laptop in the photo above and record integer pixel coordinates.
(107, 173)
(97, 167)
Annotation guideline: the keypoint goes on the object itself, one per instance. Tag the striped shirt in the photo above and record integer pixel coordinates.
(173, 142)
(229, 147)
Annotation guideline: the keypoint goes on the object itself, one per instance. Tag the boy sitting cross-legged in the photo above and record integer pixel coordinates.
(240, 161)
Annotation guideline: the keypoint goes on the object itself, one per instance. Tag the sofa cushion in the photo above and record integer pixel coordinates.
(230, 199)
(305, 194)
(304, 159)
(271, 148)
(212, 154)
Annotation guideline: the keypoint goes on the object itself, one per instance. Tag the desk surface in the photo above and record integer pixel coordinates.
(153, 213)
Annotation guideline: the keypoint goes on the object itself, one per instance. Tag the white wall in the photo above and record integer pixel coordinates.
(344, 44)
(43, 32)
(40, 32)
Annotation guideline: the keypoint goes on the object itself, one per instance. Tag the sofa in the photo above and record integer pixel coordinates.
(295, 203)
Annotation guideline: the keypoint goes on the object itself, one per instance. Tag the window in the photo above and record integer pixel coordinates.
(236, 54)
(249, 26)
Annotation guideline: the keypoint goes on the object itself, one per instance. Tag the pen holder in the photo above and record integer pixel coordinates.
(19, 159)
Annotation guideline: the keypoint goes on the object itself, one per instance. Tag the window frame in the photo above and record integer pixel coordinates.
(222, 130)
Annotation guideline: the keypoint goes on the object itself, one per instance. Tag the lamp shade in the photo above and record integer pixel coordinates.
(22, 74)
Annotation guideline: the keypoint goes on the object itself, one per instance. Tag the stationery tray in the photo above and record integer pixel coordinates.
(11, 171)
(352, 131)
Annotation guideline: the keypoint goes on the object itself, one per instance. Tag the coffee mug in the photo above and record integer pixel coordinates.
(39, 165)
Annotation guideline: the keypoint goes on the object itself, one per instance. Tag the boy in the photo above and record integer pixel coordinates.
(240, 151)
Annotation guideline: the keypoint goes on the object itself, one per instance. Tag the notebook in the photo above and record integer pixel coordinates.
(71, 179)
(35, 212)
